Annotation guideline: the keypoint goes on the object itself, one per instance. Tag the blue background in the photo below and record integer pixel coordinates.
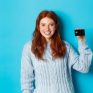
(17, 22)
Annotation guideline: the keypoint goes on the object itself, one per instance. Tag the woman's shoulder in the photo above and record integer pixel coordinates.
(67, 43)
(27, 45)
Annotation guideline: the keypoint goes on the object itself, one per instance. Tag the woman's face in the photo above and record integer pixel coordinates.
(47, 27)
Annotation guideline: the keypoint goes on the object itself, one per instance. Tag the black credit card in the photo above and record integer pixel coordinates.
(79, 32)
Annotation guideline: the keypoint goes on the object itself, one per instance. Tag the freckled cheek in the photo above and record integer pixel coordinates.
(41, 29)
(52, 29)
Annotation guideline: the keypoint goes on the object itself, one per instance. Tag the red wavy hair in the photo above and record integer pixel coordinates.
(39, 43)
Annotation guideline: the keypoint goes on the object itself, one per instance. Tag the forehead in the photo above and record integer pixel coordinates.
(46, 20)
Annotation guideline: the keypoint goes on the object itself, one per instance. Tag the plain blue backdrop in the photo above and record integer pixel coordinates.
(17, 22)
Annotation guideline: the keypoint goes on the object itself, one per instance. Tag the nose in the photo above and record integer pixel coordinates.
(47, 28)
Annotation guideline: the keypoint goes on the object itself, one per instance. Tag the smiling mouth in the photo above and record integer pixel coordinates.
(47, 33)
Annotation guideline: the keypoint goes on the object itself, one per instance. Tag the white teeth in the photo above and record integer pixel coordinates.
(47, 33)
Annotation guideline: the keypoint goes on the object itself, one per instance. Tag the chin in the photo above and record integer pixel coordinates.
(48, 37)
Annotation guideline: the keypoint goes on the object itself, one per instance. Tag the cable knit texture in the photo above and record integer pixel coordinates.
(53, 75)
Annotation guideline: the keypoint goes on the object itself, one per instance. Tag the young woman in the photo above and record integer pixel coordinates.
(47, 60)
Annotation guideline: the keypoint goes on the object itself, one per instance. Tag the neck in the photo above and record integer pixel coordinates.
(48, 40)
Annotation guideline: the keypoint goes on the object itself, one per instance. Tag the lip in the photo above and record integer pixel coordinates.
(47, 33)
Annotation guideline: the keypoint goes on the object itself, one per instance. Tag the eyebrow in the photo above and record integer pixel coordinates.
(49, 23)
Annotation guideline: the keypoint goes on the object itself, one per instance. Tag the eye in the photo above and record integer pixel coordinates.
(42, 24)
(52, 24)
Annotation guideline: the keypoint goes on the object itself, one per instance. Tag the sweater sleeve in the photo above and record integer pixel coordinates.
(82, 61)
(27, 71)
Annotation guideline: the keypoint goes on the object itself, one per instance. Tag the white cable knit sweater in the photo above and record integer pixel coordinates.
(49, 75)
